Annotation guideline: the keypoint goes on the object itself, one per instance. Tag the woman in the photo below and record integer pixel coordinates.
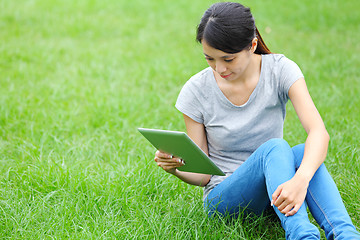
(234, 111)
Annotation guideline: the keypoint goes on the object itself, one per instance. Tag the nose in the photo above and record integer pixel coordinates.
(220, 68)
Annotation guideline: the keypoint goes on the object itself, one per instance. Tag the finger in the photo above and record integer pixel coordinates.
(287, 209)
(168, 160)
(179, 160)
(281, 206)
(293, 211)
(168, 168)
(275, 196)
(161, 154)
(169, 165)
(179, 164)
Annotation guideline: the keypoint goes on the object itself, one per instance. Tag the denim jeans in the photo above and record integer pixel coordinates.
(250, 188)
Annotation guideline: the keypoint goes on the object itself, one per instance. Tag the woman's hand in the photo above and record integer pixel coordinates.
(168, 162)
(289, 196)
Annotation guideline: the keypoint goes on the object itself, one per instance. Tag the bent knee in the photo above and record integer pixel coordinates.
(277, 142)
(276, 149)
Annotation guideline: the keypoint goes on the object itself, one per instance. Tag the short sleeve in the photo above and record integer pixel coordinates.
(289, 73)
(188, 102)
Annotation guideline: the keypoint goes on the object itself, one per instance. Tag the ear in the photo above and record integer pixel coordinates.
(254, 44)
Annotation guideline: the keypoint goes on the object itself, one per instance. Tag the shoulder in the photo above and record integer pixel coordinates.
(282, 73)
(200, 82)
(276, 59)
(201, 78)
(279, 64)
(194, 94)
(198, 87)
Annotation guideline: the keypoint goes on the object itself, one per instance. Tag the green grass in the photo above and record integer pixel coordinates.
(78, 77)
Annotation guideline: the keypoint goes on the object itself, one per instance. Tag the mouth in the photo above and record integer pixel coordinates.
(225, 76)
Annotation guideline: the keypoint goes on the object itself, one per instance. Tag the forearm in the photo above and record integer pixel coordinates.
(196, 179)
(316, 147)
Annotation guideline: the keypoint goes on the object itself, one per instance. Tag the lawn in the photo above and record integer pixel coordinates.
(78, 77)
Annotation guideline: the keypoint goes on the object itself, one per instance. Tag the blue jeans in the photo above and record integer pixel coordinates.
(250, 187)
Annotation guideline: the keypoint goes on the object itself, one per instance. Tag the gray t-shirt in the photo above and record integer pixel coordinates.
(235, 132)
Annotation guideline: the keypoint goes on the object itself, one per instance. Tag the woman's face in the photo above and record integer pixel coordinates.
(229, 66)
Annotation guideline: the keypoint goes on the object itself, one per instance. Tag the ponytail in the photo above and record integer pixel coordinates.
(261, 47)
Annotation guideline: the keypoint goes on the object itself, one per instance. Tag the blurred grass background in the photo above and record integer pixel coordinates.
(78, 77)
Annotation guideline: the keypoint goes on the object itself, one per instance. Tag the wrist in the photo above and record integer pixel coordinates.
(175, 172)
(303, 176)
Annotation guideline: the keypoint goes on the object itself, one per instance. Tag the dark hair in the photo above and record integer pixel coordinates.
(230, 27)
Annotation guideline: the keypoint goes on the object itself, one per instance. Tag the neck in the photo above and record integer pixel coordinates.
(253, 69)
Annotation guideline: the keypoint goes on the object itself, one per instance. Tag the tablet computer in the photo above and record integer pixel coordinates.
(180, 145)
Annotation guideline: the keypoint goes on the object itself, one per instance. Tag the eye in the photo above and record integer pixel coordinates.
(208, 59)
(228, 60)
